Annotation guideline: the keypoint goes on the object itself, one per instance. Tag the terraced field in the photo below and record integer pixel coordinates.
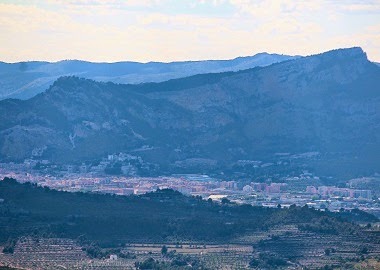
(299, 249)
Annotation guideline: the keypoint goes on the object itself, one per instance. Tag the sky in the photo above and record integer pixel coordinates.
(176, 30)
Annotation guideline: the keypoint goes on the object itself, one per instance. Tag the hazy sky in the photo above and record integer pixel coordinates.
(169, 30)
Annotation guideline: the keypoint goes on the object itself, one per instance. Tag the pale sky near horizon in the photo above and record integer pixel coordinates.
(173, 30)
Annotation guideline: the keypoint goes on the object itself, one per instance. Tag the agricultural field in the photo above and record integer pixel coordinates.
(285, 248)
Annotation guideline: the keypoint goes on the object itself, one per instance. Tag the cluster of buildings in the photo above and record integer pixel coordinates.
(299, 190)
(330, 191)
(127, 164)
(321, 191)
(264, 187)
(321, 197)
(190, 184)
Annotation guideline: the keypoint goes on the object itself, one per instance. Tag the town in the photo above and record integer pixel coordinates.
(304, 189)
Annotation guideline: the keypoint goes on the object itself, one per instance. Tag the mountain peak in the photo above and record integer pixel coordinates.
(71, 85)
(353, 52)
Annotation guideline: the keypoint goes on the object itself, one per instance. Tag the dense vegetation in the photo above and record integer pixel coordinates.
(161, 216)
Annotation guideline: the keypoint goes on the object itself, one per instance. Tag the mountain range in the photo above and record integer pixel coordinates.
(24, 80)
(326, 104)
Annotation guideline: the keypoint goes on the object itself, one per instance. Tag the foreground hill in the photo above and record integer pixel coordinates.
(164, 215)
(26, 79)
(326, 104)
(37, 225)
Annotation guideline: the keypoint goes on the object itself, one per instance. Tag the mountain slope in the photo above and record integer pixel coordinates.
(326, 104)
(26, 79)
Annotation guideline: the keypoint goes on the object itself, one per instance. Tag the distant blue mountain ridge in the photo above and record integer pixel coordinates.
(24, 80)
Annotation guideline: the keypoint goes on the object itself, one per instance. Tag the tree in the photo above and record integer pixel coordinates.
(254, 263)
(225, 201)
(9, 246)
(149, 263)
(114, 169)
(164, 250)
(364, 250)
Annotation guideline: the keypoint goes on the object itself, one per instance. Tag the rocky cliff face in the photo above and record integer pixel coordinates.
(327, 103)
